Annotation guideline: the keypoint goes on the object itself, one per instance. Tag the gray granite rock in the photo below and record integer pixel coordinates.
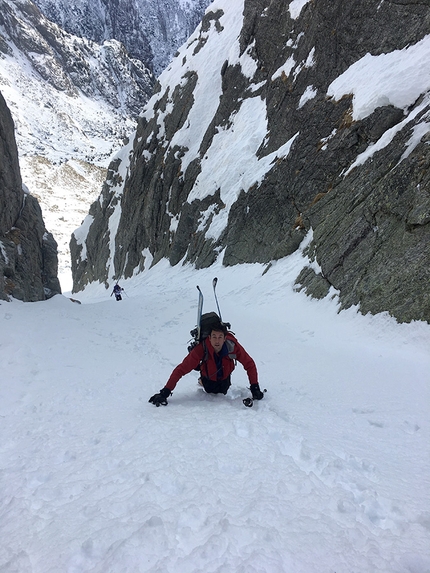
(28, 252)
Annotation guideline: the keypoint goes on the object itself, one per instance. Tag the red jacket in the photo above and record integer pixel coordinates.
(209, 367)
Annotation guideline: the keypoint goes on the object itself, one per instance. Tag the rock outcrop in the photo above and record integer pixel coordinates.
(28, 253)
(275, 120)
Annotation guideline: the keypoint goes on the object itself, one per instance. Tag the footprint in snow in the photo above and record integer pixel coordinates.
(410, 428)
(376, 424)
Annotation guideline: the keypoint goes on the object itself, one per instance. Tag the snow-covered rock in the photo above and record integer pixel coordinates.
(28, 252)
(150, 30)
(276, 119)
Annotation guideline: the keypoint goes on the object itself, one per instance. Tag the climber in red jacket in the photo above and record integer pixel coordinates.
(216, 358)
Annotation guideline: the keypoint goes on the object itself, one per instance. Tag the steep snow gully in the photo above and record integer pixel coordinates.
(329, 473)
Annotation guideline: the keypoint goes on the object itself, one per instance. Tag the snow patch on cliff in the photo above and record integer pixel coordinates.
(397, 78)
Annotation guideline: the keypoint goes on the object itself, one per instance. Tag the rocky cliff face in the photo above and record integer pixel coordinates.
(71, 65)
(275, 121)
(150, 31)
(28, 253)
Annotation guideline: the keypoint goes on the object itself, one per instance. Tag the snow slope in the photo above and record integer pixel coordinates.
(329, 473)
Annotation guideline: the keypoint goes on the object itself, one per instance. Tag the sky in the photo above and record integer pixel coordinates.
(330, 472)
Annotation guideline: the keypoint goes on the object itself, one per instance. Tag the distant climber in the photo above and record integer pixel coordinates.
(117, 290)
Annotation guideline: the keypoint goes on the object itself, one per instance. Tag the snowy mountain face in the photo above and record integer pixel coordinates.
(70, 83)
(150, 30)
(74, 96)
(279, 120)
(73, 102)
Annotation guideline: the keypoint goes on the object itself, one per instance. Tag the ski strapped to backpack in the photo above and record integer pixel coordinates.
(207, 321)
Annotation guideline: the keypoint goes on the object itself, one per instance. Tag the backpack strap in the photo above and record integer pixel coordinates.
(205, 356)
(206, 351)
(230, 347)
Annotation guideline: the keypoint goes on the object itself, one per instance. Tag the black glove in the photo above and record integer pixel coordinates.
(257, 394)
(160, 398)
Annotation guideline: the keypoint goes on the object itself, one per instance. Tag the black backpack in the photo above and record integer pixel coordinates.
(207, 322)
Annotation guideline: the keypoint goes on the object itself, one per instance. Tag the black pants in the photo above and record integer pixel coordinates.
(216, 387)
